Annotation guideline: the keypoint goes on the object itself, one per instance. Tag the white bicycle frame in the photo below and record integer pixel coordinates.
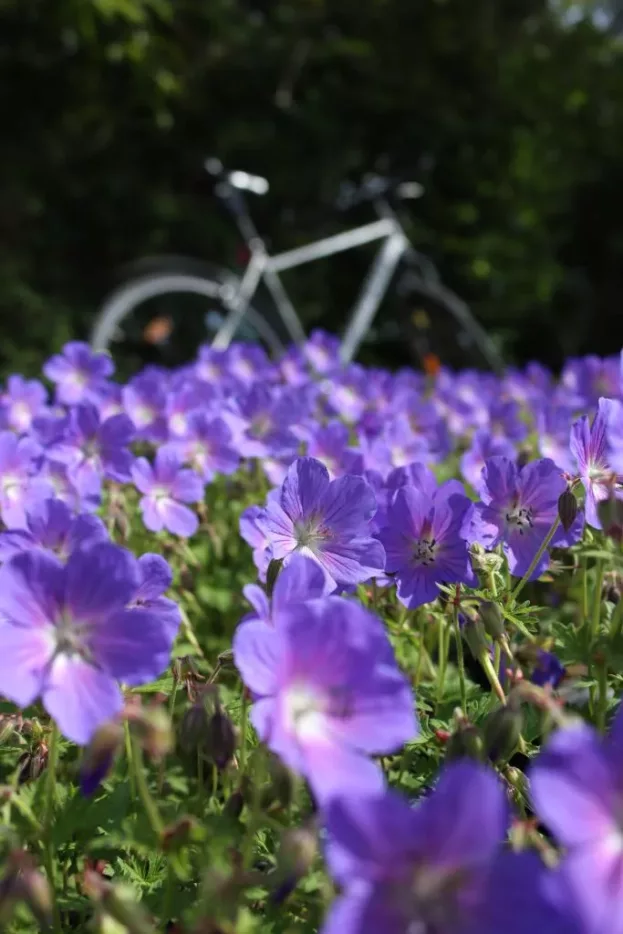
(266, 269)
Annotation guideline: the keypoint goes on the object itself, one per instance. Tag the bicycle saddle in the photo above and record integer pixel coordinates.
(243, 181)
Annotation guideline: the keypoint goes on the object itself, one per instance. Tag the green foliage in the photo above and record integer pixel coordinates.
(511, 119)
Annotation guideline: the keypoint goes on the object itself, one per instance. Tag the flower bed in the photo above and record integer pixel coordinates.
(286, 647)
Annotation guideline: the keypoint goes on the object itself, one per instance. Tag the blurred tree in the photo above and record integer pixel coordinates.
(510, 116)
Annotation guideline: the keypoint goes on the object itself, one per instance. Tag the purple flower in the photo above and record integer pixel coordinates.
(68, 637)
(589, 446)
(79, 374)
(144, 401)
(437, 867)
(577, 788)
(327, 692)
(300, 581)
(22, 400)
(327, 520)
(423, 543)
(552, 423)
(322, 351)
(517, 509)
(19, 487)
(165, 486)
(155, 579)
(51, 525)
(331, 445)
(548, 669)
(483, 446)
(93, 449)
(347, 393)
(253, 532)
(263, 419)
(55, 473)
(207, 447)
(396, 446)
(183, 403)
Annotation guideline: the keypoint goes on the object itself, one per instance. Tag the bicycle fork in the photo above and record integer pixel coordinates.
(372, 293)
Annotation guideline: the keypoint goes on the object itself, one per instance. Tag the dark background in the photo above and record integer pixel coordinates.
(510, 114)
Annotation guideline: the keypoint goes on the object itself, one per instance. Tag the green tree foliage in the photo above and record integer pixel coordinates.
(511, 118)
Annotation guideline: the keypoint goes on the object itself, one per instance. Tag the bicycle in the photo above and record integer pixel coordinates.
(429, 309)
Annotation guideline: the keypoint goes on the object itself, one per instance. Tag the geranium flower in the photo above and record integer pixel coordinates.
(327, 692)
(438, 867)
(326, 520)
(21, 401)
(79, 373)
(589, 447)
(517, 509)
(68, 637)
(20, 485)
(165, 487)
(51, 525)
(423, 543)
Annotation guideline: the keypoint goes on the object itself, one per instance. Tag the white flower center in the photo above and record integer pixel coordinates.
(305, 712)
(520, 519)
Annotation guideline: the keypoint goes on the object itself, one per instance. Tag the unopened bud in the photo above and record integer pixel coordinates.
(567, 509)
(465, 743)
(24, 882)
(178, 834)
(99, 756)
(473, 633)
(193, 727)
(235, 803)
(272, 574)
(492, 619)
(119, 903)
(220, 739)
(501, 732)
(281, 786)
(610, 515)
(32, 764)
(297, 851)
(152, 727)
(7, 729)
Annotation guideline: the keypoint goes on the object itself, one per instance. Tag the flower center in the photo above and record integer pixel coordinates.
(305, 712)
(70, 638)
(178, 423)
(11, 486)
(519, 519)
(262, 425)
(310, 534)
(429, 898)
(424, 551)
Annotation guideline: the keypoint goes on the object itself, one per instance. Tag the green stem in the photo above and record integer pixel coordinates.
(602, 678)
(599, 583)
(129, 752)
(492, 677)
(48, 820)
(535, 561)
(443, 658)
(244, 717)
(460, 657)
(616, 621)
(144, 793)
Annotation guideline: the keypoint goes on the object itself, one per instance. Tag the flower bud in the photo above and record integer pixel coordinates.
(501, 732)
(492, 619)
(567, 508)
(297, 851)
(152, 727)
(610, 515)
(178, 834)
(193, 727)
(24, 882)
(221, 739)
(99, 756)
(118, 902)
(281, 786)
(272, 574)
(32, 764)
(473, 633)
(465, 743)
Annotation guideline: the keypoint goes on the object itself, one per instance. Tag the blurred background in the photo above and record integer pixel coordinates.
(509, 112)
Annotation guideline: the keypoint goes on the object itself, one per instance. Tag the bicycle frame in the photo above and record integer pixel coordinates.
(266, 269)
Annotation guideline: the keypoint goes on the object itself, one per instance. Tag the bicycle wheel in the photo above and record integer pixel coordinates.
(441, 329)
(165, 309)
